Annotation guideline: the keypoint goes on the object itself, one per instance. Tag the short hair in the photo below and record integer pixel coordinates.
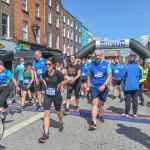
(52, 60)
(38, 51)
(97, 50)
(73, 55)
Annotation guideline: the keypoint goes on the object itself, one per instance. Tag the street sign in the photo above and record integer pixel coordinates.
(18, 48)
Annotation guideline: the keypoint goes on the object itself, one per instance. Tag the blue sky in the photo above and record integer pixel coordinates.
(114, 19)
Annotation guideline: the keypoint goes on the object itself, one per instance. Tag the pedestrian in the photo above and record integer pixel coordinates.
(116, 76)
(28, 77)
(5, 77)
(53, 80)
(40, 67)
(100, 74)
(131, 74)
(73, 71)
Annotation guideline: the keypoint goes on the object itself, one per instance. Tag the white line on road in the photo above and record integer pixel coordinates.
(25, 123)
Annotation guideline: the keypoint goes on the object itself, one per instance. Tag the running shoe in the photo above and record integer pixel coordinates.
(39, 107)
(142, 104)
(33, 104)
(92, 126)
(125, 115)
(61, 127)
(44, 138)
(101, 119)
(20, 108)
(119, 96)
(66, 112)
(134, 115)
(76, 108)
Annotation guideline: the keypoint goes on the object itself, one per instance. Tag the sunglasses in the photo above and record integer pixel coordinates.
(48, 64)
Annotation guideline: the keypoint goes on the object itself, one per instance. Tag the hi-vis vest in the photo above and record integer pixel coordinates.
(144, 74)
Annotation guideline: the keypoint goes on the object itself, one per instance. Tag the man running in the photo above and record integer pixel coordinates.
(73, 71)
(99, 78)
(116, 76)
(40, 67)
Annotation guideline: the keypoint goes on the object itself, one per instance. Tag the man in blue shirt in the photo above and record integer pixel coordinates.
(99, 77)
(40, 67)
(116, 76)
(131, 74)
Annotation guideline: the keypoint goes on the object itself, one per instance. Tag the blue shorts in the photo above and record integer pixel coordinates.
(95, 93)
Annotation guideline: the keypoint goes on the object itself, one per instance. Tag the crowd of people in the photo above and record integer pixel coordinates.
(44, 81)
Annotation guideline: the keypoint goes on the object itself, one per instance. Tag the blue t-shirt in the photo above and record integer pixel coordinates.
(5, 77)
(19, 69)
(116, 71)
(131, 74)
(84, 71)
(99, 72)
(39, 66)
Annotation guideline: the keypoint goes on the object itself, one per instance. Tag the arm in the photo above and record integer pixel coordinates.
(15, 83)
(78, 75)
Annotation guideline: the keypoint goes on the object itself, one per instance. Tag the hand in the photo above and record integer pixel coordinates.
(72, 81)
(87, 89)
(28, 86)
(59, 87)
(102, 88)
(18, 88)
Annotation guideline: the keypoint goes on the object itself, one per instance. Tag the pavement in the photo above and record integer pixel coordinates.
(116, 133)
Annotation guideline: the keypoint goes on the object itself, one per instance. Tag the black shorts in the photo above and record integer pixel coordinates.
(32, 88)
(116, 82)
(76, 88)
(84, 80)
(48, 102)
(40, 87)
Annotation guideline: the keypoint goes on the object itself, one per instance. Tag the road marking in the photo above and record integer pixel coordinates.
(25, 123)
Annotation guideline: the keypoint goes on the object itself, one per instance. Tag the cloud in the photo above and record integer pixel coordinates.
(144, 39)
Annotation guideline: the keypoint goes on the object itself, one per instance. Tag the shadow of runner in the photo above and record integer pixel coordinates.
(116, 110)
(134, 134)
(2, 147)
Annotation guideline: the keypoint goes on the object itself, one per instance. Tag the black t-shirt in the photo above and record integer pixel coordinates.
(72, 71)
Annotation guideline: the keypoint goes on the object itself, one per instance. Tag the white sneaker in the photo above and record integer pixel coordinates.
(134, 115)
(125, 115)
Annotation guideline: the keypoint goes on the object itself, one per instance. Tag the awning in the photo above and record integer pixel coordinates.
(6, 56)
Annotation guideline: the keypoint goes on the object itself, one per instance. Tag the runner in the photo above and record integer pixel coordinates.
(53, 80)
(116, 76)
(5, 77)
(83, 77)
(39, 66)
(99, 78)
(28, 77)
(73, 71)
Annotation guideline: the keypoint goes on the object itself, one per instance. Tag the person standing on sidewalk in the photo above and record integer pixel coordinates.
(116, 76)
(53, 80)
(73, 71)
(131, 74)
(100, 74)
(39, 66)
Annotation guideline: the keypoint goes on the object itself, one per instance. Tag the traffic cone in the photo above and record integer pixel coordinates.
(145, 88)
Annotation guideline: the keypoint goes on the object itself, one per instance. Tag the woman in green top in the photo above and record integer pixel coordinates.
(28, 77)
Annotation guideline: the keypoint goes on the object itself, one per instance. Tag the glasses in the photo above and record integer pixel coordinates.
(97, 55)
(48, 64)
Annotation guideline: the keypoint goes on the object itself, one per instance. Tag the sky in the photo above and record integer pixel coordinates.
(113, 19)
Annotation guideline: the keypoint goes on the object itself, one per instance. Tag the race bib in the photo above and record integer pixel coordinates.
(83, 74)
(39, 71)
(116, 71)
(26, 81)
(71, 77)
(98, 74)
(51, 91)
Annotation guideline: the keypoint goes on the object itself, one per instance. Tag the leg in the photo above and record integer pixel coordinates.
(46, 121)
(76, 91)
(101, 107)
(94, 109)
(69, 93)
(135, 101)
(127, 95)
(24, 93)
(141, 94)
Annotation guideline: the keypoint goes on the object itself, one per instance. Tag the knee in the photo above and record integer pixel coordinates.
(46, 113)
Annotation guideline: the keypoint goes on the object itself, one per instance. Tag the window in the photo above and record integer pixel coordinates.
(50, 2)
(5, 25)
(6, 1)
(49, 36)
(49, 17)
(68, 34)
(72, 24)
(57, 7)
(37, 11)
(76, 49)
(57, 42)
(68, 22)
(64, 48)
(80, 39)
(57, 22)
(64, 32)
(25, 31)
(71, 35)
(76, 38)
(38, 36)
(64, 18)
(80, 29)
(76, 27)
(24, 5)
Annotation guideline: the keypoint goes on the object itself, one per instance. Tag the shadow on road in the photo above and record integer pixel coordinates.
(116, 109)
(135, 134)
(2, 147)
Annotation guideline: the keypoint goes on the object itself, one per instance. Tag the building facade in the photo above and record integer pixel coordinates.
(6, 19)
(77, 35)
(67, 32)
(85, 36)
